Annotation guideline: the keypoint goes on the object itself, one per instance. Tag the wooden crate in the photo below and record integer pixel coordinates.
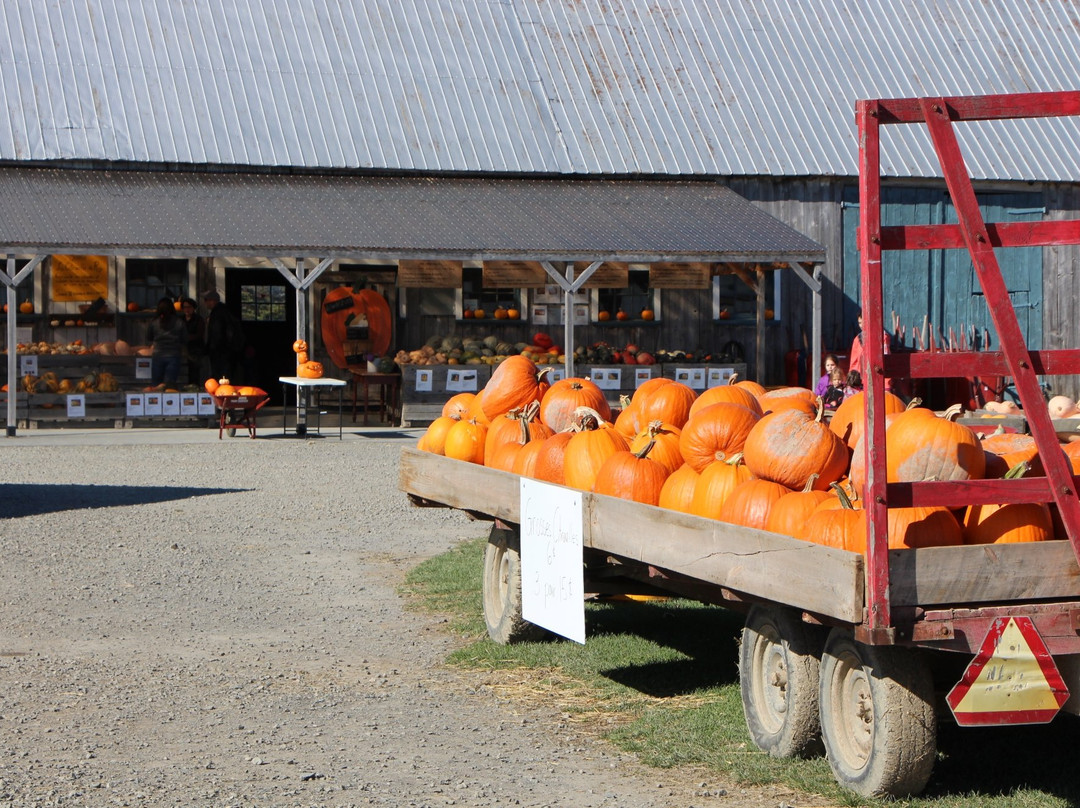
(421, 407)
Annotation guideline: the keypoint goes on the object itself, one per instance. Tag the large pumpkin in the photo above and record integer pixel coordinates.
(923, 446)
(791, 512)
(666, 450)
(564, 397)
(718, 431)
(678, 491)
(551, 458)
(516, 382)
(788, 447)
(849, 420)
(508, 428)
(715, 484)
(465, 441)
(632, 475)
(669, 403)
(1008, 524)
(593, 443)
(730, 393)
(458, 404)
(751, 502)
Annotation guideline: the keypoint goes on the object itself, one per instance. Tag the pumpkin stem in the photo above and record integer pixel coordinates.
(734, 460)
(954, 412)
(643, 452)
(624, 400)
(820, 409)
(1018, 471)
(810, 483)
(915, 402)
(733, 378)
(845, 500)
(587, 419)
(531, 411)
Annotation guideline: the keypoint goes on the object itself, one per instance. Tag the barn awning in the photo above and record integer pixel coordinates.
(110, 212)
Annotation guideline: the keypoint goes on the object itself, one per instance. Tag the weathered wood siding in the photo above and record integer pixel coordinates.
(1061, 284)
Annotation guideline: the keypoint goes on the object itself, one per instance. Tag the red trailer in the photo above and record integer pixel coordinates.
(853, 650)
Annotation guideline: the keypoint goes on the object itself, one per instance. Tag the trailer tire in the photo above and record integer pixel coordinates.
(877, 717)
(502, 590)
(779, 659)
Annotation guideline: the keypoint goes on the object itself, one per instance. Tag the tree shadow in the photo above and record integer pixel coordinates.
(708, 637)
(31, 499)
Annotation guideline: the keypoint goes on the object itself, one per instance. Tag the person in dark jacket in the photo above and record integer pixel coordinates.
(167, 337)
(195, 346)
(225, 341)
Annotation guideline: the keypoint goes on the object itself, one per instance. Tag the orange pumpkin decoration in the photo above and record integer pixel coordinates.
(435, 435)
(791, 512)
(715, 484)
(678, 491)
(666, 449)
(751, 502)
(594, 442)
(564, 397)
(310, 370)
(221, 390)
(551, 458)
(302, 357)
(211, 385)
(632, 475)
(668, 403)
(714, 433)
(458, 404)
(299, 346)
(465, 441)
(515, 383)
(923, 446)
(849, 420)
(731, 393)
(788, 447)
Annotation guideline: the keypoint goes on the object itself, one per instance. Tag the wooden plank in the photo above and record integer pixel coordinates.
(609, 275)
(514, 275)
(679, 276)
(755, 562)
(983, 574)
(429, 274)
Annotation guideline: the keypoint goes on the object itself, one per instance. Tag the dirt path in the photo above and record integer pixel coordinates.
(191, 622)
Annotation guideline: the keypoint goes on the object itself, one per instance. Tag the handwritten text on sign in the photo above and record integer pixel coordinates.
(552, 548)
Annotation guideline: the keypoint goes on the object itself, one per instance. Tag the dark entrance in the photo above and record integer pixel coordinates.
(266, 304)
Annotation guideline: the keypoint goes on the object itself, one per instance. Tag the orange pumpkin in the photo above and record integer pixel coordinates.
(785, 392)
(627, 419)
(515, 383)
(1008, 524)
(476, 409)
(668, 403)
(458, 404)
(526, 460)
(211, 385)
(924, 447)
(751, 502)
(791, 512)
(507, 428)
(310, 370)
(843, 528)
(551, 458)
(465, 441)
(666, 449)
(302, 357)
(715, 484)
(731, 393)
(593, 443)
(849, 420)
(299, 346)
(714, 433)
(752, 387)
(221, 390)
(788, 447)
(678, 491)
(910, 528)
(565, 396)
(632, 475)
(435, 435)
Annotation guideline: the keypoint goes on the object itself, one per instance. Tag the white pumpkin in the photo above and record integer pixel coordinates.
(1061, 407)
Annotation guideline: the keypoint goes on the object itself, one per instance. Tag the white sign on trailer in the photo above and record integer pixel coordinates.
(552, 548)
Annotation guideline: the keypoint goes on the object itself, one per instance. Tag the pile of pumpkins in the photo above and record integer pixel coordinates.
(740, 454)
(49, 382)
(487, 350)
(223, 388)
(306, 368)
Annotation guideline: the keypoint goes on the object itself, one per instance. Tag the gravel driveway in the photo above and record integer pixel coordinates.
(192, 622)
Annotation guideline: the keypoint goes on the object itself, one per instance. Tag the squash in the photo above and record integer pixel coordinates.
(310, 370)
(515, 383)
(1061, 407)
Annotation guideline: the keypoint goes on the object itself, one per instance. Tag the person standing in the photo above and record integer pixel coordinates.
(167, 337)
(855, 355)
(195, 345)
(225, 341)
(831, 363)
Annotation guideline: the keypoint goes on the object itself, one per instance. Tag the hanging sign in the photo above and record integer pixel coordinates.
(679, 276)
(76, 405)
(1012, 680)
(429, 274)
(552, 548)
(515, 274)
(609, 275)
(74, 278)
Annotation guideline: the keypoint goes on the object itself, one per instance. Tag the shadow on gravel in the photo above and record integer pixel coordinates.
(26, 499)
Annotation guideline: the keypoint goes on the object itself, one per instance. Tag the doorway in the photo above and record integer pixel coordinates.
(266, 305)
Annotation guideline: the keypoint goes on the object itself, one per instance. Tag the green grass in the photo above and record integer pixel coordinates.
(661, 680)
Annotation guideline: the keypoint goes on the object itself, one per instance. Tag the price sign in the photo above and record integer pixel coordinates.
(206, 404)
(719, 376)
(134, 404)
(423, 381)
(552, 548)
(170, 403)
(142, 367)
(691, 377)
(460, 381)
(189, 404)
(642, 375)
(76, 405)
(607, 378)
(152, 404)
(28, 364)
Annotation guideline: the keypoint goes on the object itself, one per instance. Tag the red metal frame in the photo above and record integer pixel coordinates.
(1014, 359)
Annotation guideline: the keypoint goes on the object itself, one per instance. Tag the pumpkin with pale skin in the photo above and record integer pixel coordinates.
(789, 447)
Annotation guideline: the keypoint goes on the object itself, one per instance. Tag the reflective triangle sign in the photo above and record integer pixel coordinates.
(1012, 680)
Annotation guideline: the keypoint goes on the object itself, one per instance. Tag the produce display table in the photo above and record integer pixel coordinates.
(304, 388)
(389, 387)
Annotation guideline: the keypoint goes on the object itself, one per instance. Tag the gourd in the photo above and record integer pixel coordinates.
(1061, 407)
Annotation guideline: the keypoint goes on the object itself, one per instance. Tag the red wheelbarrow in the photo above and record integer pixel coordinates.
(237, 411)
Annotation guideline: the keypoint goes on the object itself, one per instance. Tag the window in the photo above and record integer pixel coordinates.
(630, 301)
(477, 297)
(150, 279)
(263, 303)
(734, 301)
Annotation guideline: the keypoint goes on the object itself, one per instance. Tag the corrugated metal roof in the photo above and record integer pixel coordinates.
(624, 87)
(239, 214)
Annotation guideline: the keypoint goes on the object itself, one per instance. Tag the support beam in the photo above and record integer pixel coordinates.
(570, 285)
(11, 279)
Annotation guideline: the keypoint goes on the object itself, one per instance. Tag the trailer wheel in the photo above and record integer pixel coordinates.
(779, 658)
(877, 717)
(502, 590)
